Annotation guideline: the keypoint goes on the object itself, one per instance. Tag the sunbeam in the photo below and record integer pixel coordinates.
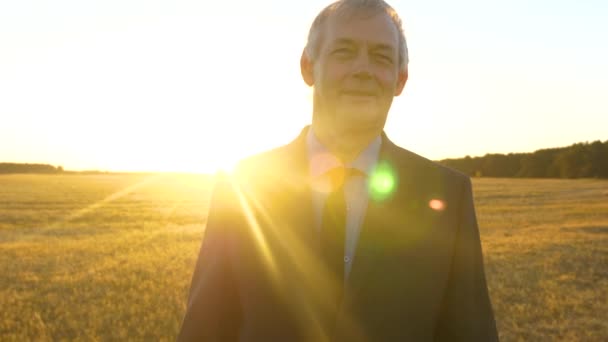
(92, 207)
(310, 270)
(257, 231)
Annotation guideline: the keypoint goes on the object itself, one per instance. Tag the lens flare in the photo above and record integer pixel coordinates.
(383, 181)
(437, 204)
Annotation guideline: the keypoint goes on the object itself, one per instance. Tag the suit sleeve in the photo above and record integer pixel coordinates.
(213, 312)
(466, 313)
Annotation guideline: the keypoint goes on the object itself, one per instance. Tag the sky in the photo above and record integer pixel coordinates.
(184, 85)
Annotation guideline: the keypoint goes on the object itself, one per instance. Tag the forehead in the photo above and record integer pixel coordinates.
(362, 27)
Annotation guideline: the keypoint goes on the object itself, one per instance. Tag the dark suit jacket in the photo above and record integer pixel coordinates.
(417, 273)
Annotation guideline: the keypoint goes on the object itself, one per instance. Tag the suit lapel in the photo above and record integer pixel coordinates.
(298, 197)
(286, 208)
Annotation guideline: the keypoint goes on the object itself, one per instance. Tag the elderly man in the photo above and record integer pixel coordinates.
(341, 235)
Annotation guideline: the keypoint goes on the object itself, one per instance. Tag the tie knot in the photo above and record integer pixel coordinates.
(339, 175)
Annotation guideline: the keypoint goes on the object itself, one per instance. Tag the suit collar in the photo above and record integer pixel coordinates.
(297, 151)
(322, 160)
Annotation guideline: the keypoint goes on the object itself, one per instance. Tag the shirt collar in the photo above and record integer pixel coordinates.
(321, 160)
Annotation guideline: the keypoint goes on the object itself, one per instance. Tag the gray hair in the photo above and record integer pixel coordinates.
(341, 7)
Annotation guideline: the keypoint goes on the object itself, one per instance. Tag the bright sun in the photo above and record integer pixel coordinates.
(208, 164)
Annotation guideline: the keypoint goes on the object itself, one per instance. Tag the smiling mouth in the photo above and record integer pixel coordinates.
(359, 93)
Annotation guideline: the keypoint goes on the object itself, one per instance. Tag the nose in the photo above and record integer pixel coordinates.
(361, 66)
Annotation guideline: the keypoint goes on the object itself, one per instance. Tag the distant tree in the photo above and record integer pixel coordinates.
(536, 164)
(467, 165)
(26, 168)
(567, 163)
(500, 165)
(598, 157)
(575, 161)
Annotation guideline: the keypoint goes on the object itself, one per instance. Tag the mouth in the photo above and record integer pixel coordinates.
(360, 93)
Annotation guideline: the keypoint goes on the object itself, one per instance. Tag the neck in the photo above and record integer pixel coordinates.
(345, 145)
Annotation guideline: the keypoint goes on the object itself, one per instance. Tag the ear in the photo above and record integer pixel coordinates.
(401, 80)
(306, 68)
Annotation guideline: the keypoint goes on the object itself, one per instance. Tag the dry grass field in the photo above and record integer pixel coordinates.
(109, 257)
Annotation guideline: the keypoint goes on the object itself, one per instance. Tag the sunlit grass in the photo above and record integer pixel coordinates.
(117, 272)
(120, 270)
(546, 250)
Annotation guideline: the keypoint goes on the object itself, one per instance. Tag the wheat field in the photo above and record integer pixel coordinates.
(110, 256)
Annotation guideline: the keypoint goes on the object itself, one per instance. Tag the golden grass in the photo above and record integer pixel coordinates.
(99, 256)
(546, 253)
(109, 257)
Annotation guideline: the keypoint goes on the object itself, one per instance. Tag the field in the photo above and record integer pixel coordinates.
(109, 257)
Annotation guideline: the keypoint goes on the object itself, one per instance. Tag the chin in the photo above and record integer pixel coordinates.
(357, 122)
(358, 114)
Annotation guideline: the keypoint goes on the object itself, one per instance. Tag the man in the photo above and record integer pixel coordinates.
(342, 235)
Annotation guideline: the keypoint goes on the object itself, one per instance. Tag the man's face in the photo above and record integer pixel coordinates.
(356, 74)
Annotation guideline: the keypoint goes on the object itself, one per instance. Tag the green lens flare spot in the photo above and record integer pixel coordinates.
(383, 182)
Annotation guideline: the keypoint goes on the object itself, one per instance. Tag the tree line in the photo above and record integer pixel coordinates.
(29, 168)
(581, 160)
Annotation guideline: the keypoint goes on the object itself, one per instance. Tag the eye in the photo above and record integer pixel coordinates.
(342, 52)
(384, 58)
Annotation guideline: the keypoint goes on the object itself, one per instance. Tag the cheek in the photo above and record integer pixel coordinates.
(335, 72)
(387, 79)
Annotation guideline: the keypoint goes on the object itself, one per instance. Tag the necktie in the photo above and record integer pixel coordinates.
(332, 241)
(333, 227)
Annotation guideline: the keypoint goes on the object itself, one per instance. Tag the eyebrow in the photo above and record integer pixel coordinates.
(383, 47)
(343, 41)
(379, 46)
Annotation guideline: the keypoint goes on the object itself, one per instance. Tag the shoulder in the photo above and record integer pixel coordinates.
(264, 160)
(277, 170)
(428, 169)
(427, 180)
(278, 159)
(250, 176)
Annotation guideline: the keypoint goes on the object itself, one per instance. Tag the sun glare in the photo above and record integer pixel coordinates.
(209, 165)
(226, 165)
